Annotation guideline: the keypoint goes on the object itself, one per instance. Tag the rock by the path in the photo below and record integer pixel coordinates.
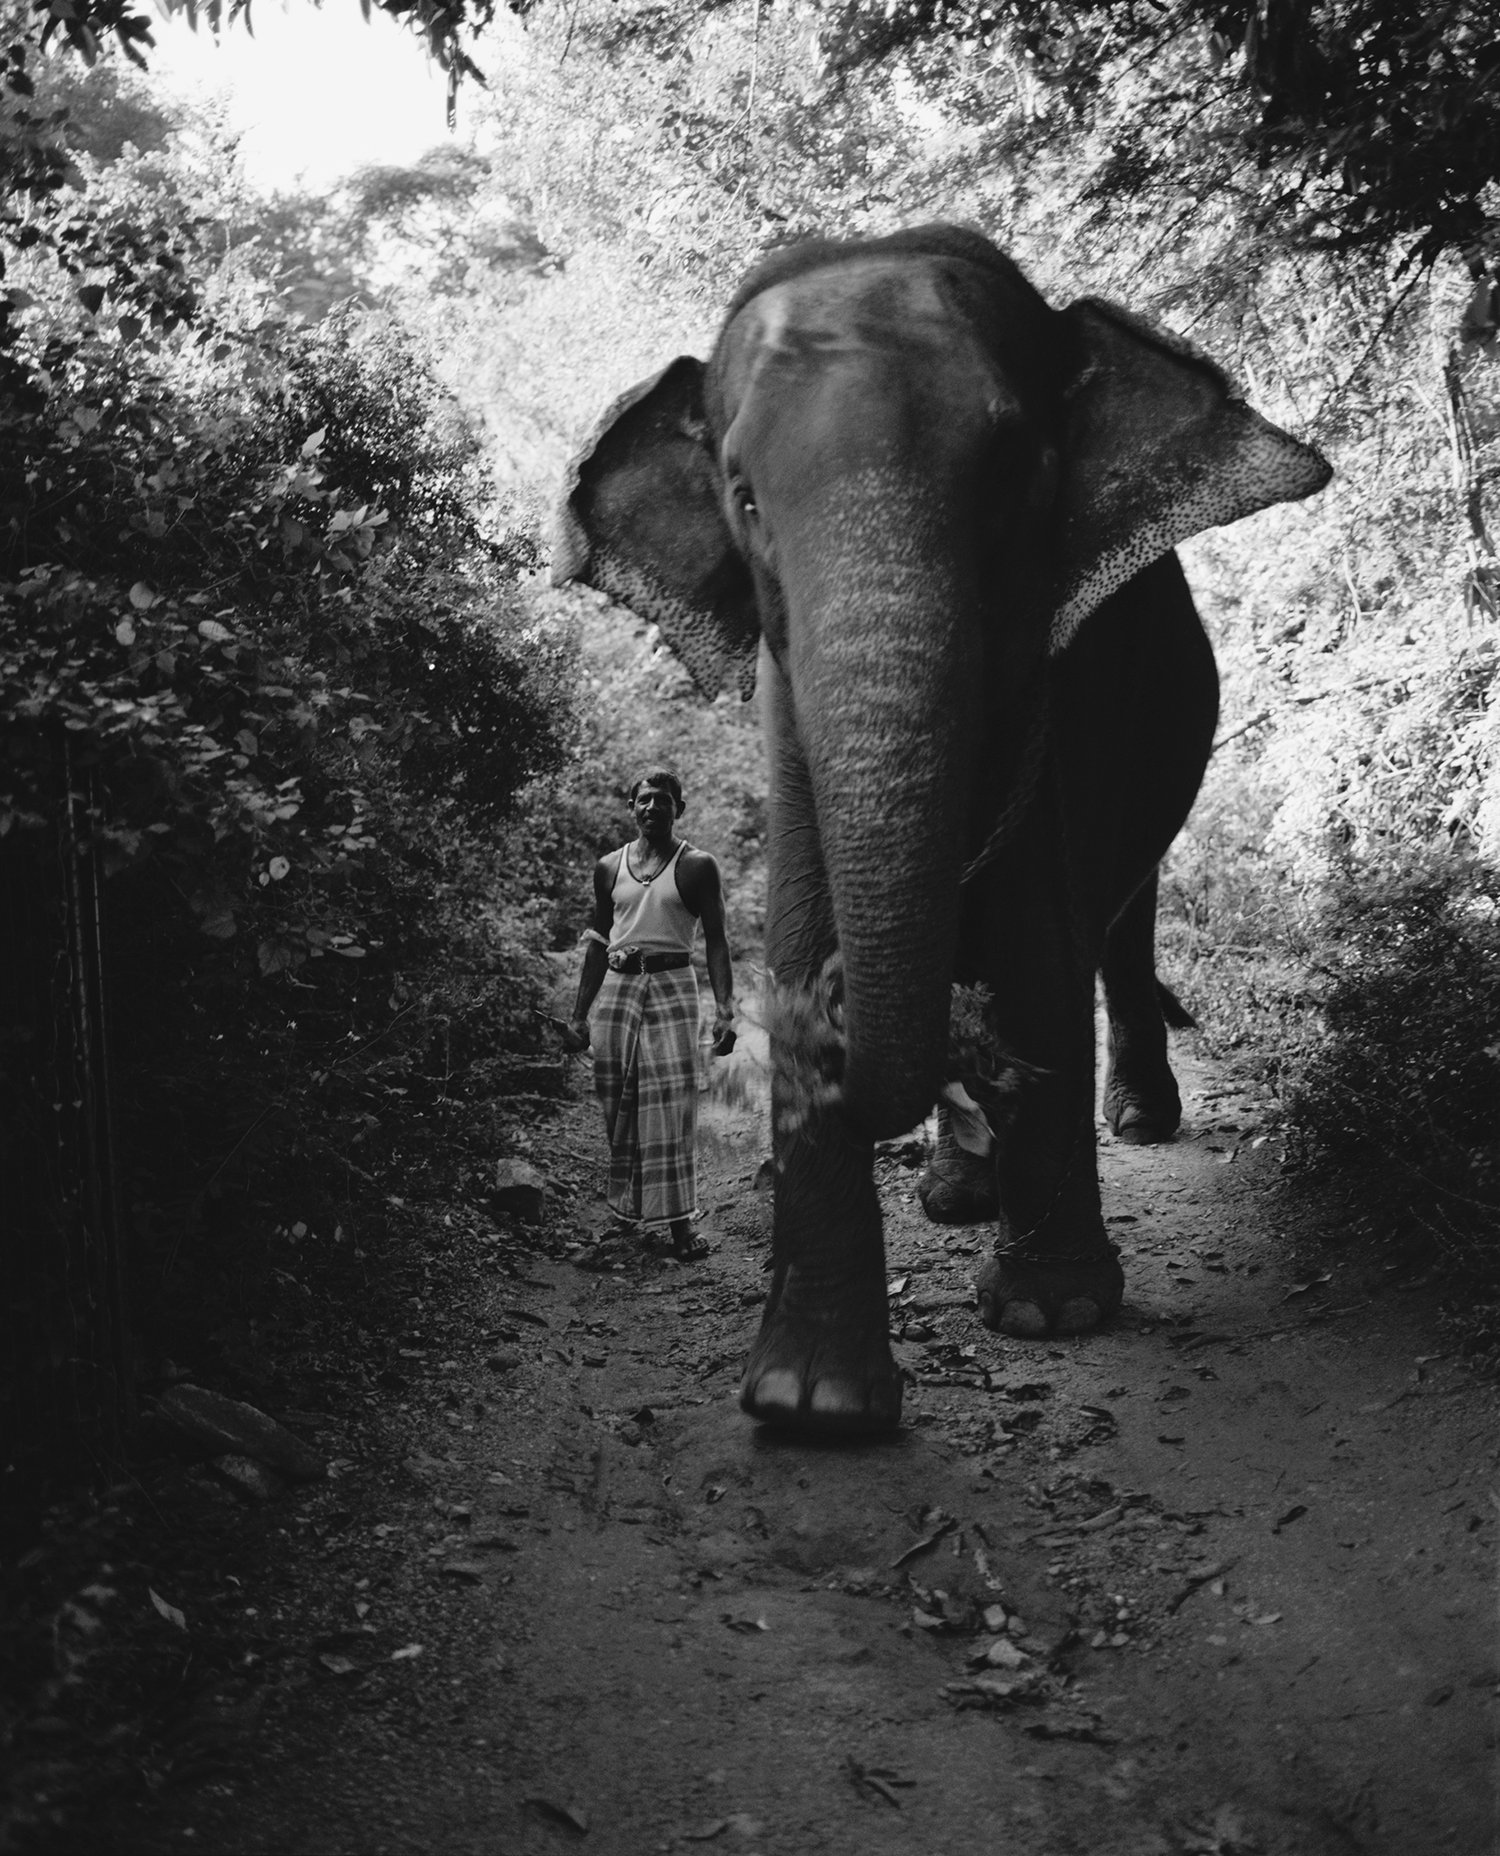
(520, 1191)
(235, 1429)
(249, 1477)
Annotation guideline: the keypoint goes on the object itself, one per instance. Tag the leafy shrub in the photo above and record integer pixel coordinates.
(258, 578)
(1407, 1080)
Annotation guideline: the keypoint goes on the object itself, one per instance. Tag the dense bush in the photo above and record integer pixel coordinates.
(1410, 995)
(256, 575)
(1403, 1086)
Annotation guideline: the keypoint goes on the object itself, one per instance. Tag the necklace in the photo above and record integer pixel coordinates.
(645, 877)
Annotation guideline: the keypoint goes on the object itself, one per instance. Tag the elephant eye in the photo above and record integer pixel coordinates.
(745, 497)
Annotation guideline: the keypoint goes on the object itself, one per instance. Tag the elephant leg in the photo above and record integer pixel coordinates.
(1141, 1102)
(1054, 1270)
(957, 1187)
(822, 1362)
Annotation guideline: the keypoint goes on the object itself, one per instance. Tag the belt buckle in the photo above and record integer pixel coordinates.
(624, 959)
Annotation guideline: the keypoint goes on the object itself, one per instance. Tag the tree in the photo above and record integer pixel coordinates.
(1374, 126)
(87, 25)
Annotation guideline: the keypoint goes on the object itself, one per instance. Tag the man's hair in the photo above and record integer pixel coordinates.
(669, 782)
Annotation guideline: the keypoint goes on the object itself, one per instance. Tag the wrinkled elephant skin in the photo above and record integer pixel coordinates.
(934, 518)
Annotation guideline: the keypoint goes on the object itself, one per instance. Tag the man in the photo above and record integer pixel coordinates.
(649, 898)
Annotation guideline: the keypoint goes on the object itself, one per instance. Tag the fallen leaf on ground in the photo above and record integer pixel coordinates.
(993, 1691)
(878, 1779)
(1064, 1728)
(1225, 1836)
(1103, 1519)
(406, 1653)
(946, 1526)
(565, 1814)
(169, 1612)
(1196, 1581)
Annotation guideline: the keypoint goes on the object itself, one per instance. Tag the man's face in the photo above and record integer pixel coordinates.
(655, 812)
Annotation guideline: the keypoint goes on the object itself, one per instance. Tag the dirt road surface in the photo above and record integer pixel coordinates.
(1219, 1580)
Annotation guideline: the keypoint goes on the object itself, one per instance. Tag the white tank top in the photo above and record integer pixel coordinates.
(651, 915)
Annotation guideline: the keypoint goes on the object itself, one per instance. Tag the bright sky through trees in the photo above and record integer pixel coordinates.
(317, 91)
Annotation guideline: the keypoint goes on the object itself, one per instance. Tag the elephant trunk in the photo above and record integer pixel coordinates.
(884, 672)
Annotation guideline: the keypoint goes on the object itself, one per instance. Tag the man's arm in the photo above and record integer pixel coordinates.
(576, 1033)
(704, 895)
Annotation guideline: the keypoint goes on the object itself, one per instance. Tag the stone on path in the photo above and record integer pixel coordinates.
(232, 1428)
(249, 1477)
(520, 1191)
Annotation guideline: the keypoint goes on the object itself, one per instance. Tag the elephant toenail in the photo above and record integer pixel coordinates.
(774, 1394)
(1079, 1315)
(833, 1399)
(1023, 1319)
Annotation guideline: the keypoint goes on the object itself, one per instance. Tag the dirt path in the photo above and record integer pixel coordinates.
(1219, 1580)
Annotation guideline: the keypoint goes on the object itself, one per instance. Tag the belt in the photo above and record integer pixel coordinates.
(634, 960)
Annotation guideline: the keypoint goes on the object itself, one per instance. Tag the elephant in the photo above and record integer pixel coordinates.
(934, 519)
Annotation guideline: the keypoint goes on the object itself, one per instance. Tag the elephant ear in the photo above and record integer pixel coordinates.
(641, 519)
(1158, 447)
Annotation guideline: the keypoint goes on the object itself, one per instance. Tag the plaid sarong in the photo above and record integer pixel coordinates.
(645, 1042)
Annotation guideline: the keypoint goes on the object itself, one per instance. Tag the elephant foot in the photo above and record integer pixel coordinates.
(1142, 1117)
(958, 1195)
(823, 1367)
(1031, 1297)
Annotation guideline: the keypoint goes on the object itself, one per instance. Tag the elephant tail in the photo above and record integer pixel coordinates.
(1173, 1011)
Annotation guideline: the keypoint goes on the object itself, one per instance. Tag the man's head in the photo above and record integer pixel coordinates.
(658, 780)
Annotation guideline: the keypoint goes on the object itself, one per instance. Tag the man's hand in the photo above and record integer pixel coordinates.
(723, 1038)
(575, 1035)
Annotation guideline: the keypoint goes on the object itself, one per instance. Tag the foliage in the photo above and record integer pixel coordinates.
(806, 1026)
(1404, 1086)
(257, 575)
(1413, 998)
(1371, 126)
(88, 26)
(247, 577)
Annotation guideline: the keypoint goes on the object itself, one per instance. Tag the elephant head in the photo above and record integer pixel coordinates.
(911, 481)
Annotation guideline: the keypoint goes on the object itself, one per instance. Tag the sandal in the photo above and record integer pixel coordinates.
(689, 1247)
